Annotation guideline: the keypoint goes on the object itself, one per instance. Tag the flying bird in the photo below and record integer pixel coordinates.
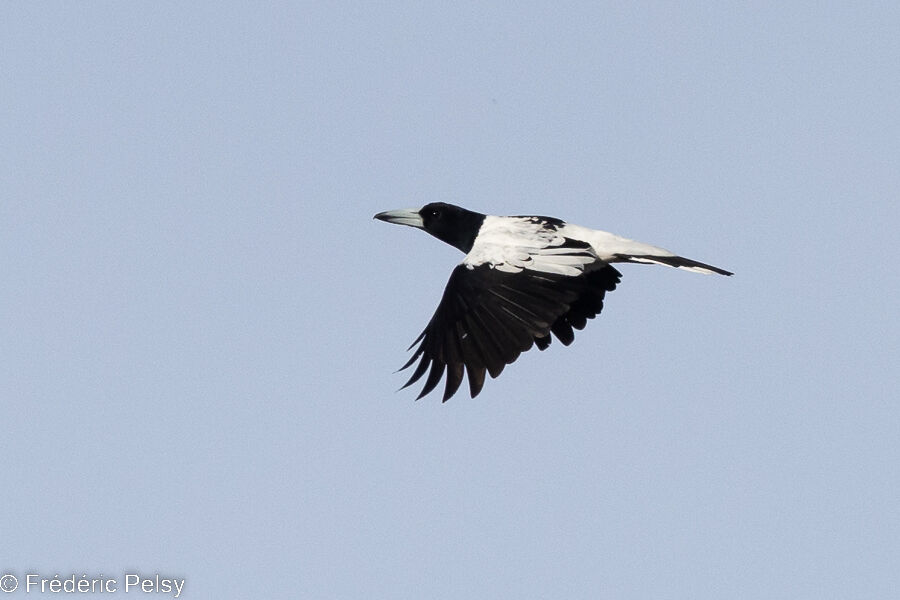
(523, 278)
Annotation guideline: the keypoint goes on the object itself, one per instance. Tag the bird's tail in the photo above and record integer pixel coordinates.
(613, 248)
(672, 260)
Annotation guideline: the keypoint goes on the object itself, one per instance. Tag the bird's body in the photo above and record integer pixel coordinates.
(523, 278)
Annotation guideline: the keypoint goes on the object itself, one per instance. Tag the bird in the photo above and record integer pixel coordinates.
(524, 280)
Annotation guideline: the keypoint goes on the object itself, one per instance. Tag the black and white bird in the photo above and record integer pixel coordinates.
(522, 279)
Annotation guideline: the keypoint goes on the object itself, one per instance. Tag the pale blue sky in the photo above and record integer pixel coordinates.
(199, 319)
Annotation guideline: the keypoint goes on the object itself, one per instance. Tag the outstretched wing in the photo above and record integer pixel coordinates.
(488, 316)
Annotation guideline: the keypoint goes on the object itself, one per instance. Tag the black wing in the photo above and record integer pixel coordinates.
(488, 317)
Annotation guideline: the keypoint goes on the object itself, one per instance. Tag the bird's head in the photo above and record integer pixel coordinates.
(448, 223)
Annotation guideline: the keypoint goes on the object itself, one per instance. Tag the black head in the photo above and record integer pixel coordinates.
(448, 223)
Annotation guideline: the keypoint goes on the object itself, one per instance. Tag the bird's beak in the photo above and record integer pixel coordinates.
(407, 216)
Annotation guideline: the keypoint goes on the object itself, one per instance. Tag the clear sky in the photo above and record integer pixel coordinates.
(199, 319)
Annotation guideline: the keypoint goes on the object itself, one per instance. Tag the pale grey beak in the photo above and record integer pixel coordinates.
(406, 216)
